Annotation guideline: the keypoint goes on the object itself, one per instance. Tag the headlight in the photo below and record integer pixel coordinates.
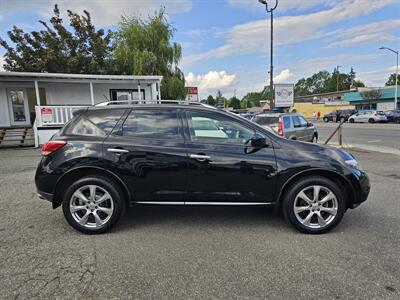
(349, 160)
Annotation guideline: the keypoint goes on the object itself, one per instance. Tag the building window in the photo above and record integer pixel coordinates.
(126, 95)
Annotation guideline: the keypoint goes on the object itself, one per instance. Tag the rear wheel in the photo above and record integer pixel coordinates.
(314, 205)
(93, 205)
(326, 120)
(342, 120)
(371, 120)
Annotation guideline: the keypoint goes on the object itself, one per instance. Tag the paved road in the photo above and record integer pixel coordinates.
(197, 252)
(370, 135)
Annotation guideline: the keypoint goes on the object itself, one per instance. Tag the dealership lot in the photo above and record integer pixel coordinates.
(197, 252)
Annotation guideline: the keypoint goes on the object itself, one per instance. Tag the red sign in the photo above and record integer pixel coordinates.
(192, 90)
(47, 114)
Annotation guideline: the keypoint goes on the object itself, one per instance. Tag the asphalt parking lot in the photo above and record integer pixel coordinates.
(198, 252)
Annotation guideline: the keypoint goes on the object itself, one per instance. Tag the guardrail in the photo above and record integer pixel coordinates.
(55, 115)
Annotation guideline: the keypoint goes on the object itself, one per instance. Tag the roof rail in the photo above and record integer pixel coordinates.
(152, 101)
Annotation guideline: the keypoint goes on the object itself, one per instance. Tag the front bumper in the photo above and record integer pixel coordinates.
(45, 196)
(362, 187)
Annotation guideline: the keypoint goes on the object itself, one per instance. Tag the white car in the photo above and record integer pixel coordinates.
(370, 116)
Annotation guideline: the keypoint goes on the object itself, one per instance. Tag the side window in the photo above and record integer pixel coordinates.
(303, 122)
(296, 122)
(152, 123)
(286, 122)
(211, 127)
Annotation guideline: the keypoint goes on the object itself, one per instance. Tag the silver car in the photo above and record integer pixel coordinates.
(292, 126)
(370, 116)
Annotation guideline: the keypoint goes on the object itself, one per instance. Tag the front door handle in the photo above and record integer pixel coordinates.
(200, 157)
(117, 150)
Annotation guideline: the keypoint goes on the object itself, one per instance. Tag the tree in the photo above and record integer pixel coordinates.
(371, 95)
(234, 102)
(324, 82)
(392, 79)
(211, 100)
(55, 49)
(144, 47)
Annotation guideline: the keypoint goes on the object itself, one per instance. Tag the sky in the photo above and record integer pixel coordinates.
(226, 42)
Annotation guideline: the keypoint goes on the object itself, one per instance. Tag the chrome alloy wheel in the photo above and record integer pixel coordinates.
(315, 206)
(91, 206)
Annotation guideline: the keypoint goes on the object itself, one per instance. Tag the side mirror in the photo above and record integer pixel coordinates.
(256, 143)
(310, 124)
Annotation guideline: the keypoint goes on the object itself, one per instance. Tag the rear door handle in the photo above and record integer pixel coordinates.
(116, 150)
(200, 157)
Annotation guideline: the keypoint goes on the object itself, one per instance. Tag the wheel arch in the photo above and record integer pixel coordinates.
(329, 174)
(85, 171)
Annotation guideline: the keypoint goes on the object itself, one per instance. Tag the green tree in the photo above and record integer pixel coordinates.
(392, 79)
(234, 102)
(211, 100)
(55, 49)
(144, 47)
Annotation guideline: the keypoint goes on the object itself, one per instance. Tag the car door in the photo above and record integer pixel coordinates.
(307, 132)
(299, 127)
(219, 170)
(148, 151)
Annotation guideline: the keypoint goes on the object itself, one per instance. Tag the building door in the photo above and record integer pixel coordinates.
(18, 106)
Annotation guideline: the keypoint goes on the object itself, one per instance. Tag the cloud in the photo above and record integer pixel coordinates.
(283, 76)
(253, 37)
(283, 5)
(367, 33)
(376, 78)
(210, 82)
(103, 12)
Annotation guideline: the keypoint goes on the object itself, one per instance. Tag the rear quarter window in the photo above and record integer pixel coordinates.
(286, 122)
(94, 122)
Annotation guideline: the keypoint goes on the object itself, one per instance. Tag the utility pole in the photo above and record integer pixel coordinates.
(397, 74)
(337, 78)
(271, 73)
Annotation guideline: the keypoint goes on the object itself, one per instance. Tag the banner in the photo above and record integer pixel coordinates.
(284, 95)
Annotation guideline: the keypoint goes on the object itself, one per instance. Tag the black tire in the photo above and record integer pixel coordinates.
(371, 120)
(342, 119)
(351, 120)
(296, 188)
(117, 199)
(314, 138)
(326, 120)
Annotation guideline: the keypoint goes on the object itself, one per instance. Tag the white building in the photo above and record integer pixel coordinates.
(45, 101)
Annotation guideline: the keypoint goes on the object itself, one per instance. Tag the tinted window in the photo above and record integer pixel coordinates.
(266, 120)
(152, 123)
(296, 121)
(204, 126)
(286, 122)
(94, 122)
(303, 122)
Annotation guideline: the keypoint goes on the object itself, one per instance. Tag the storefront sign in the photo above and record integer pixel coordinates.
(284, 95)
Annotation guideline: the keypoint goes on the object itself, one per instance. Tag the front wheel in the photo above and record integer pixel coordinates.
(351, 120)
(93, 204)
(314, 205)
(371, 120)
(326, 120)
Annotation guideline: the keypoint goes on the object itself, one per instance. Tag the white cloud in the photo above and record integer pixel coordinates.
(377, 32)
(103, 12)
(283, 76)
(210, 82)
(283, 5)
(253, 37)
(376, 77)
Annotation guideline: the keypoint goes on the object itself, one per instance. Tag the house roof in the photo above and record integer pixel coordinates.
(25, 76)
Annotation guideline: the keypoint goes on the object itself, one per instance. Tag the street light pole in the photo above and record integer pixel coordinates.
(271, 74)
(397, 73)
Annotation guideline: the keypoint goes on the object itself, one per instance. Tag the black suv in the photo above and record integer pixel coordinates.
(108, 158)
(339, 115)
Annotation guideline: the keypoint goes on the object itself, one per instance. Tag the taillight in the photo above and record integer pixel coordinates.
(52, 146)
(280, 126)
(375, 114)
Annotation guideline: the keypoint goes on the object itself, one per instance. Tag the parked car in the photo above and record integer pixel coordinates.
(393, 116)
(341, 115)
(289, 125)
(107, 158)
(370, 116)
(248, 116)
